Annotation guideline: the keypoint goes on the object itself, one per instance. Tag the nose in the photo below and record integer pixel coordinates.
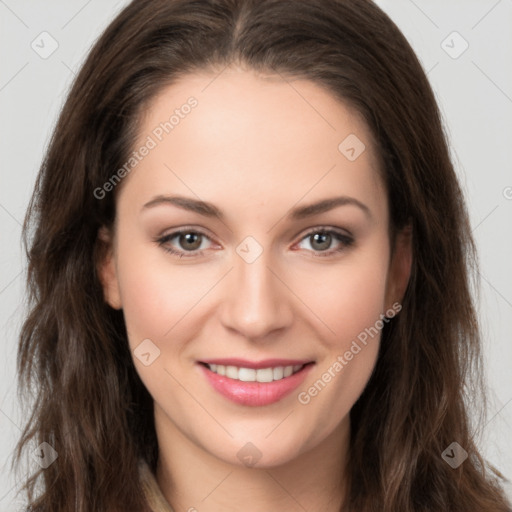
(256, 302)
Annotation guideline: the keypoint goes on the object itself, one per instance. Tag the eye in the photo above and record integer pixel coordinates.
(185, 243)
(191, 243)
(326, 242)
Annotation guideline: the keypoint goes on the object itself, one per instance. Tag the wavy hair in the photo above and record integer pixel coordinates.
(90, 404)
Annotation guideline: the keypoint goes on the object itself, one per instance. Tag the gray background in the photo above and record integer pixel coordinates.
(473, 88)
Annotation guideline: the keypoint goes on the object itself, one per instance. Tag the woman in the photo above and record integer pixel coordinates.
(249, 260)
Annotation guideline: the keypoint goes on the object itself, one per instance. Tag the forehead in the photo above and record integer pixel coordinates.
(251, 139)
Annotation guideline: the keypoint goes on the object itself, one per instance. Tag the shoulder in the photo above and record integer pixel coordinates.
(506, 485)
(152, 491)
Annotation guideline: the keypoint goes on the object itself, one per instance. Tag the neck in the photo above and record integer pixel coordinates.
(192, 479)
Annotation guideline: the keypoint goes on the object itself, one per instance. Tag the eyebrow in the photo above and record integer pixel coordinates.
(210, 210)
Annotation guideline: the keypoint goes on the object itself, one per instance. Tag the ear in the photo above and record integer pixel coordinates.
(399, 267)
(107, 270)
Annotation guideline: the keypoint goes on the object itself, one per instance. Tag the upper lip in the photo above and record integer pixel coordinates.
(265, 363)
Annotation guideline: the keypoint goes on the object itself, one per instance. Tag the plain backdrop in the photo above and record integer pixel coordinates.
(464, 45)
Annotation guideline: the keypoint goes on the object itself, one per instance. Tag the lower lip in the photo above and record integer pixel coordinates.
(255, 393)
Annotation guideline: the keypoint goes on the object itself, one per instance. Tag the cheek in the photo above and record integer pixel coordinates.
(350, 301)
(351, 353)
(156, 294)
(161, 302)
(349, 297)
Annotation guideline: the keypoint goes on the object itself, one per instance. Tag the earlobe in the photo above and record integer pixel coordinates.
(107, 270)
(400, 267)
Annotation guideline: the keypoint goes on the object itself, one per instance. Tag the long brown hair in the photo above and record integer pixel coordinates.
(90, 404)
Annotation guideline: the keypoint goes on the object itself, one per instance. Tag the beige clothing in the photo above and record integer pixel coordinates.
(158, 503)
(154, 496)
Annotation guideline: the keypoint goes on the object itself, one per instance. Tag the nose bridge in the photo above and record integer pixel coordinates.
(257, 303)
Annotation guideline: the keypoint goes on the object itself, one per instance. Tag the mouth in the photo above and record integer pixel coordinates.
(245, 374)
(255, 383)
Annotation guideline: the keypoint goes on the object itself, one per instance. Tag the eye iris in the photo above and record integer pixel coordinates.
(322, 241)
(190, 241)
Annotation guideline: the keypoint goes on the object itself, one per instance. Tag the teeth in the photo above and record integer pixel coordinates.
(246, 374)
(278, 373)
(252, 375)
(232, 372)
(263, 374)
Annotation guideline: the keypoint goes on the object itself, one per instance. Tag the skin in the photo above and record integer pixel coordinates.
(255, 146)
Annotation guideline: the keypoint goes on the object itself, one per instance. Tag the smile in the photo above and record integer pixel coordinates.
(255, 384)
(269, 374)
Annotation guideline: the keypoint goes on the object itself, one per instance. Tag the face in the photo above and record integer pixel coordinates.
(251, 259)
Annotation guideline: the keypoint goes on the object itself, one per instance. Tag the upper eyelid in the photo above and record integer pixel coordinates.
(177, 231)
(328, 229)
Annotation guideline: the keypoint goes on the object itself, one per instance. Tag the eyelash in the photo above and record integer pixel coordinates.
(345, 241)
